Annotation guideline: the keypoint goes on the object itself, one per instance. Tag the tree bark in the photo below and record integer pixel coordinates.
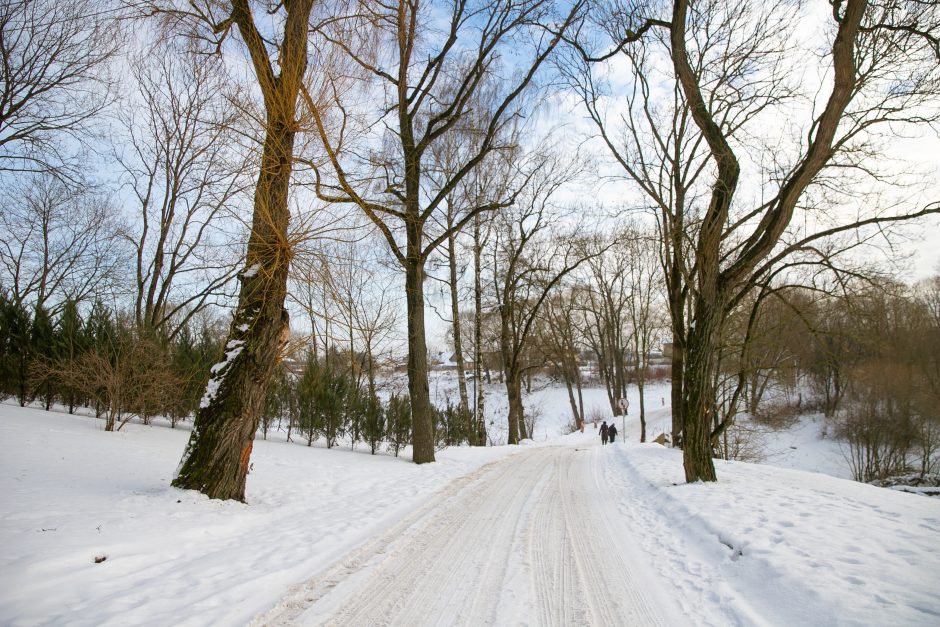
(421, 410)
(216, 461)
(513, 378)
(514, 393)
(699, 396)
(217, 458)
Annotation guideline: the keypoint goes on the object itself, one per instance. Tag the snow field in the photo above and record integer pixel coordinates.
(561, 532)
(72, 492)
(769, 546)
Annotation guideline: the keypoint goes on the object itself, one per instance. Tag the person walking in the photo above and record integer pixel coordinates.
(604, 432)
(612, 432)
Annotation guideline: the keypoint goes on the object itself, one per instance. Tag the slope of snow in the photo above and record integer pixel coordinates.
(783, 547)
(72, 492)
(764, 545)
(805, 447)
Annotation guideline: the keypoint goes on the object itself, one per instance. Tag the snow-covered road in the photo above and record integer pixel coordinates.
(529, 540)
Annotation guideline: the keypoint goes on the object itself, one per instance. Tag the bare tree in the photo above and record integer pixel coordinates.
(479, 241)
(60, 242)
(426, 89)
(131, 377)
(644, 308)
(606, 309)
(309, 290)
(217, 457)
(55, 81)
(531, 256)
(729, 69)
(490, 178)
(179, 164)
(560, 338)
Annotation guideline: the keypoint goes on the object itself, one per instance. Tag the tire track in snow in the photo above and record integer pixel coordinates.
(519, 541)
(595, 574)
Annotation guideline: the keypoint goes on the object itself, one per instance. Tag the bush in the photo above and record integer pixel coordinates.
(878, 423)
(134, 378)
(777, 416)
(451, 425)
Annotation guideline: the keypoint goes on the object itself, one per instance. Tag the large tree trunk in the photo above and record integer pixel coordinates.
(514, 392)
(573, 403)
(216, 460)
(677, 312)
(512, 376)
(699, 393)
(421, 411)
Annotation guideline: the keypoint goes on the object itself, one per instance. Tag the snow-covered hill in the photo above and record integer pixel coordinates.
(764, 545)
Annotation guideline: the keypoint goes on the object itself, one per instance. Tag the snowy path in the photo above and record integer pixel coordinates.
(526, 540)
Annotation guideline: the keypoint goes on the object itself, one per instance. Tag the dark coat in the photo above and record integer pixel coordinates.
(604, 429)
(612, 431)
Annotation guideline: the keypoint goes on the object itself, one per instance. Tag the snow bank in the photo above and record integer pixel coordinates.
(772, 546)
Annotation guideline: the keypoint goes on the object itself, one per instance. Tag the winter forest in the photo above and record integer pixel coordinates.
(248, 220)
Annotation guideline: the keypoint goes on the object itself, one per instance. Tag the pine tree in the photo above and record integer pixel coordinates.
(193, 357)
(306, 408)
(101, 335)
(276, 403)
(324, 394)
(7, 352)
(398, 417)
(71, 342)
(43, 343)
(16, 331)
(372, 420)
(451, 425)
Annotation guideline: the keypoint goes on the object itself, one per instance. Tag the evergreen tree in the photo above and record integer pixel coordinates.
(306, 408)
(101, 336)
(277, 401)
(324, 393)
(450, 427)
(372, 420)
(185, 361)
(193, 357)
(5, 352)
(71, 342)
(398, 417)
(7, 362)
(16, 353)
(43, 344)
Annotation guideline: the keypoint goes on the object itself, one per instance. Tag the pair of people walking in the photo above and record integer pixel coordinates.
(608, 432)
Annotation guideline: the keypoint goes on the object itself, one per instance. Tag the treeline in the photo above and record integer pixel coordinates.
(867, 359)
(104, 361)
(326, 400)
